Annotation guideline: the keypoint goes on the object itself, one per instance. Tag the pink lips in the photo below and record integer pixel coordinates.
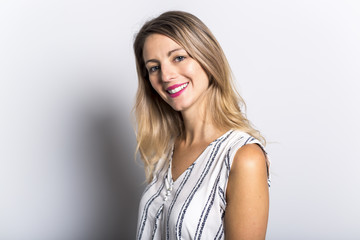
(175, 86)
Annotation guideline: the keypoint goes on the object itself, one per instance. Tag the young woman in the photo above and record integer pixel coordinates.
(205, 165)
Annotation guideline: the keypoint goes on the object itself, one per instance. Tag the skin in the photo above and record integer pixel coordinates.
(247, 196)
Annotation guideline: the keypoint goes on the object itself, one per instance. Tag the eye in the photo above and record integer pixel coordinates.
(179, 58)
(154, 69)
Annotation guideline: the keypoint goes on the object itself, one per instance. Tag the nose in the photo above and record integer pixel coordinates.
(168, 72)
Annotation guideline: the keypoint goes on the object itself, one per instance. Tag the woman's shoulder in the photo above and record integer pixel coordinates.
(249, 155)
(239, 138)
(248, 152)
(242, 145)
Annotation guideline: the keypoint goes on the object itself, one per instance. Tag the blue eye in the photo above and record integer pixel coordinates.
(154, 69)
(179, 58)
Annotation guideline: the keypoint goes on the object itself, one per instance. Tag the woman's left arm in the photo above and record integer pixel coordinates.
(247, 194)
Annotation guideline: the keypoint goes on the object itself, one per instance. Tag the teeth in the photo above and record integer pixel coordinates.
(175, 90)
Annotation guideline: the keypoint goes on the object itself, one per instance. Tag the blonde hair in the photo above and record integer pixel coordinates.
(157, 123)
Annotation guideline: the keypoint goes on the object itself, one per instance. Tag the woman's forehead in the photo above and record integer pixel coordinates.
(158, 45)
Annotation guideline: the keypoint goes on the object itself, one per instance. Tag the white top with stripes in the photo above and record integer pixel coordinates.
(193, 206)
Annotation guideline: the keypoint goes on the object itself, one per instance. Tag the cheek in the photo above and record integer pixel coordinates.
(154, 84)
(198, 73)
(202, 78)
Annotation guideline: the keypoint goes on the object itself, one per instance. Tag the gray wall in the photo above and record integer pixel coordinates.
(67, 85)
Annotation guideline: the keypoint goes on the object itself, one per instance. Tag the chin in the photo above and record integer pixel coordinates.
(182, 106)
(178, 108)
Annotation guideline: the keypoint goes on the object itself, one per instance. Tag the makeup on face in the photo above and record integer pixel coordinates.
(176, 89)
(178, 78)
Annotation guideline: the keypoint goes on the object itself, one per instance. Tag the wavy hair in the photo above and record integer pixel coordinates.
(156, 122)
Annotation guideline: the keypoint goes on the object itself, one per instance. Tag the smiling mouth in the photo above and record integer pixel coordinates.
(177, 89)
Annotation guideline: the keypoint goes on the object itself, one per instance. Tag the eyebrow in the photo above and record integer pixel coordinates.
(169, 54)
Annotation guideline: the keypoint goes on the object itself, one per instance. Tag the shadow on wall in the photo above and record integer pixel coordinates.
(110, 143)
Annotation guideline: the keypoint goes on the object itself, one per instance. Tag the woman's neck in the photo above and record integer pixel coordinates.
(199, 127)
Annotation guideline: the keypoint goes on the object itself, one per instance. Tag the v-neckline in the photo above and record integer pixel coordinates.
(169, 173)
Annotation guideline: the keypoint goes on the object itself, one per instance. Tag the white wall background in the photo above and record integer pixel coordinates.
(67, 85)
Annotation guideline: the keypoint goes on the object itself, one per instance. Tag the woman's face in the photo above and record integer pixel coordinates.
(175, 76)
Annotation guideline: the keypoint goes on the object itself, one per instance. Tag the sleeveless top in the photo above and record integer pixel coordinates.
(192, 206)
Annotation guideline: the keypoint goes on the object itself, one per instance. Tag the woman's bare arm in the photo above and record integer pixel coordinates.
(247, 195)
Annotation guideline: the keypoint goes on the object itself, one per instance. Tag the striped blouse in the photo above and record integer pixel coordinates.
(193, 206)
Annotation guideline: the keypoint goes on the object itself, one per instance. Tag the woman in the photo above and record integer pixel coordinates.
(205, 164)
